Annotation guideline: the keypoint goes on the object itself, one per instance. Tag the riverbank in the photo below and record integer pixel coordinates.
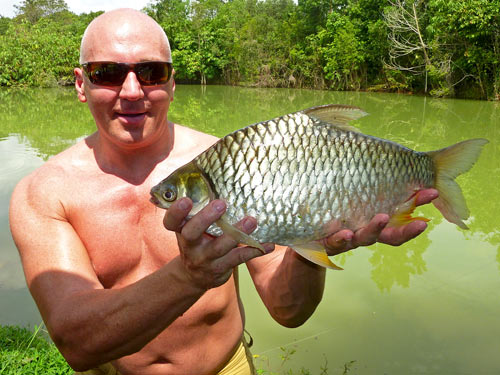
(26, 351)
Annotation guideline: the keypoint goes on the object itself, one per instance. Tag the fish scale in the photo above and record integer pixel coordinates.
(305, 175)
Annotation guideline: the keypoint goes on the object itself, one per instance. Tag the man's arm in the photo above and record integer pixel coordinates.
(89, 324)
(292, 287)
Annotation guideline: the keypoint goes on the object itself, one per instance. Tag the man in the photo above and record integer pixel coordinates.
(118, 292)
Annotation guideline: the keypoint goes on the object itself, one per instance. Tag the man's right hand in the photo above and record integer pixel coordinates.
(209, 261)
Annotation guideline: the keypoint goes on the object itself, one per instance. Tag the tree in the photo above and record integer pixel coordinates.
(409, 50)
(468, 32)
(343, 52)
(33, 10)
(173, 17)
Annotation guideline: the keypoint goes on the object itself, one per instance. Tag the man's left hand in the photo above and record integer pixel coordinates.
(377, 230)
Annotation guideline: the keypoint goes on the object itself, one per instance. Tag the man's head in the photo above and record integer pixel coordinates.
(133, 112)
(125, 29)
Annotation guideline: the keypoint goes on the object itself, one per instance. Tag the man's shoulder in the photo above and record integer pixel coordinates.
(200, 138)
(54, 176)
(68, 162)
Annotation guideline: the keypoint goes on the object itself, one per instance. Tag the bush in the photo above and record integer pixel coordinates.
(41, 54)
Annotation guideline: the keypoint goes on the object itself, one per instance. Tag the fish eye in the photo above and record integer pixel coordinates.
(170, 195)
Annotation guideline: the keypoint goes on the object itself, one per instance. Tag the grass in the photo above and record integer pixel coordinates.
(23, 351)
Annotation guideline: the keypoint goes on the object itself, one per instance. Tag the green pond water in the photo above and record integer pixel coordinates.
(431, 306)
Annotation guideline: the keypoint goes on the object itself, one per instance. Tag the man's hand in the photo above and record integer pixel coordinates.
(376, 230)
(209, 261)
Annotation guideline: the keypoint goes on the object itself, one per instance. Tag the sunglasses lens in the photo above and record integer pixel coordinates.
(153, 72)
(107, 74)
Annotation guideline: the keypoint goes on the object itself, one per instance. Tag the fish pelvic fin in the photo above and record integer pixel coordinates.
(402, 215)
(337, 115)
(315, 253)
(237, 234)
(449, 163)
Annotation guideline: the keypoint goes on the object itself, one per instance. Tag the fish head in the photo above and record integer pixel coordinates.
(187, 181)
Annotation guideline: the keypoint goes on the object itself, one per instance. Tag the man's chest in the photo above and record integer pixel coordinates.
(122, 232)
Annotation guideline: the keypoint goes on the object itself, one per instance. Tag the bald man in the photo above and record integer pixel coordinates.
(121, 288)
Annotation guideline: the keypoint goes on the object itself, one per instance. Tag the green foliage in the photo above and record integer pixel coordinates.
(26, 352)
(40, 54)
(467, 35)
(4, 24)
(343, 53)
(336, 44)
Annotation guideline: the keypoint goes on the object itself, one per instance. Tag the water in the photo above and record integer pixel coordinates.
(431, 306)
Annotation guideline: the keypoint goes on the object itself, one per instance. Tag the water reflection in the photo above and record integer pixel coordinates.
(16, 160)
(38, 123)
(393, 267)
(45, 120)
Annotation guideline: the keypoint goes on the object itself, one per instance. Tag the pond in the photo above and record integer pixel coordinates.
(431, 306)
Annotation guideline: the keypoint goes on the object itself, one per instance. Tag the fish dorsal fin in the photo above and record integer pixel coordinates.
(315, 253)
(337, 115)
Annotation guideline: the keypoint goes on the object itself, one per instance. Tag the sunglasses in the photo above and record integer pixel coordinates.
(109, 73)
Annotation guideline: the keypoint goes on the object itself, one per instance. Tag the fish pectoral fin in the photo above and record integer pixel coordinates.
(315, 253)
(337, 115)
(237, 234)
(402, 215)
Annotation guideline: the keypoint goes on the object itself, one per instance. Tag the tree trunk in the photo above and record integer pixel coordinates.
(422, 44)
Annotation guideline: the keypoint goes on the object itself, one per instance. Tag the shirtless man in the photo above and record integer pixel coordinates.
(118, 292)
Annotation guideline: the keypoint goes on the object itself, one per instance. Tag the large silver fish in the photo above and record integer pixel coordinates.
(308, 174)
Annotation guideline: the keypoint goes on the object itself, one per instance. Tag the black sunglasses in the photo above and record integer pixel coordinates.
(109, 73)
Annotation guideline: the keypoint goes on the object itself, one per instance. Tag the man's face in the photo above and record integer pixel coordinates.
(131, 115)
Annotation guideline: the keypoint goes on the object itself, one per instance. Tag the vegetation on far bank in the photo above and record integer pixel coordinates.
(448, 48)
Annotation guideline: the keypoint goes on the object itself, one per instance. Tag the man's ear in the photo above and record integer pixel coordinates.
(173, 86)
(80, 85)
(173, 90)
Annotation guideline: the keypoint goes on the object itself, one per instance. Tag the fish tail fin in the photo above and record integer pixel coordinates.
(449, 163)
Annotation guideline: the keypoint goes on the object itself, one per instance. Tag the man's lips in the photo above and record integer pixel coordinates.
(132, 117)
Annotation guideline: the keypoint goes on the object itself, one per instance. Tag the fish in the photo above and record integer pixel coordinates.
(309, 174)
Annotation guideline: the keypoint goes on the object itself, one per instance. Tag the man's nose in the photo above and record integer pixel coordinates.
(131, 88)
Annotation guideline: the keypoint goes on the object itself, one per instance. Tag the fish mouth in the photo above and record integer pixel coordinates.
(153, 199)
(158, 202)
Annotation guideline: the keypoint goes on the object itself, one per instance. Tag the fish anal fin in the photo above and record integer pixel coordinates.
(402, 215)
(237, 234)
(315, 253)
